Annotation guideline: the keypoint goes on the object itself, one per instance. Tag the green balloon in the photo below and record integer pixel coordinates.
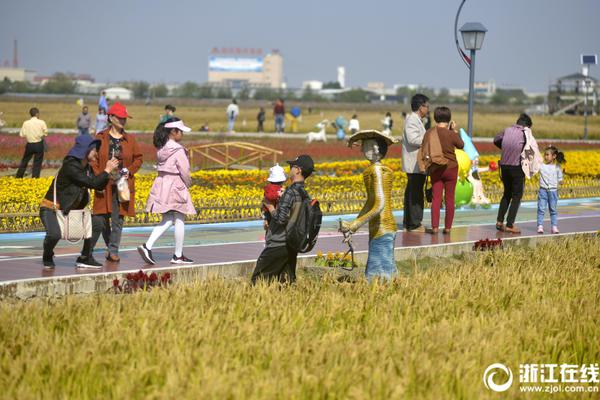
(463, 193)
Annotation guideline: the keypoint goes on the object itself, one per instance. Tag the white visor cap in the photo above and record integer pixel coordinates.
(178, 125)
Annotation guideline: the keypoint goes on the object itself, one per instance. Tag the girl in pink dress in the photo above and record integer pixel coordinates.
(169, 195)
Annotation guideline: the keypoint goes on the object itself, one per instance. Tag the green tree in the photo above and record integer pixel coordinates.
(224, 93)
(159, 90)
(244, 94)
(353, 96)
(332, 85)
(5, 85)
(206, 92)
(265, 94)
(188, 90)
(140, 89)
(310, 95)
(59, 83)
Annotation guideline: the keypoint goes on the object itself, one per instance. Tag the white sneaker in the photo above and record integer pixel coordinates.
(540, 229)
(181, 260)
(555, 229)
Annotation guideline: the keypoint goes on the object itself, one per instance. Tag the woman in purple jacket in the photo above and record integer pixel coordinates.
(169, 195)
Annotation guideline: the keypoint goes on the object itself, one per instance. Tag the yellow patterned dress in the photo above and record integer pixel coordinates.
(382, 224)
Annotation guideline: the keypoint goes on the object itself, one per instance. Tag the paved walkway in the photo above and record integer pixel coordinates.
(20, 253)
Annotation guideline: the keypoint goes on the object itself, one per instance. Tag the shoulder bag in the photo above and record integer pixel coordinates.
(75, 226)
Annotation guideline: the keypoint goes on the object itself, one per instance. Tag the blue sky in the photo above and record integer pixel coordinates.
(529, 42)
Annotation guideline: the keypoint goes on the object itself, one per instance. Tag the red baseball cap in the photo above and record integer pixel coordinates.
(118, 110)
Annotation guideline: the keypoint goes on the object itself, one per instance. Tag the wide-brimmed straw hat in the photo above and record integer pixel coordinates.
(372, 134)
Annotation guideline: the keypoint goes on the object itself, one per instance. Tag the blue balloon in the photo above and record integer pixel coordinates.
(469, 146)
(295, 111)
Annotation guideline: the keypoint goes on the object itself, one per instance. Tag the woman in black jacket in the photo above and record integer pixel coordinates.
(74, 179)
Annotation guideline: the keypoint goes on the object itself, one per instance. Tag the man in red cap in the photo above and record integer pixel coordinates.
(109, 212)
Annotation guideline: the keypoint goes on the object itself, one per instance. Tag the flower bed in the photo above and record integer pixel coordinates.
(221, 196)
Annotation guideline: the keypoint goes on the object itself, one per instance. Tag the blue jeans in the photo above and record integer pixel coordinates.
(279, 121)
(230, 124)
(547, 198)
(84, 131)
(381, 262)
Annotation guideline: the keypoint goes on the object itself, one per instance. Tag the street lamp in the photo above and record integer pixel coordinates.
(472, 34)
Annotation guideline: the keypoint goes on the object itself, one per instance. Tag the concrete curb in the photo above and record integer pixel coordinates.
(102, 282)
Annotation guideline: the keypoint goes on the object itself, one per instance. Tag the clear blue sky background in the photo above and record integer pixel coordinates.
(529, 42)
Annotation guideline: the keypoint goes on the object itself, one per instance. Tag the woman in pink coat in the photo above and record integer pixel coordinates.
(169, 195)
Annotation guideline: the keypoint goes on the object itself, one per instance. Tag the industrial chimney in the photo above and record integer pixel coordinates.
(15, 57)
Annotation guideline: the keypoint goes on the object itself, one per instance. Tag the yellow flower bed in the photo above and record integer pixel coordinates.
(236, 195)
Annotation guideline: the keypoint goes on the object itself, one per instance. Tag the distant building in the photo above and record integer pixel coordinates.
(17, 74)
(487, 89)
(118, 93)
(341, 76)
(239, 67)
(313, 85)
(567, 94)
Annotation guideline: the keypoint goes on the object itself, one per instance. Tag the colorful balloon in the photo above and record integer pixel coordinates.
(469, 146)
(464, 164)
(493, 166)
(463, 193)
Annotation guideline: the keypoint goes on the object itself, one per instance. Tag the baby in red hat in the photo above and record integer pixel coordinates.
(273, 190)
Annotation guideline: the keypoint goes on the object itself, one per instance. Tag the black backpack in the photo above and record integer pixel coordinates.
(305, 223)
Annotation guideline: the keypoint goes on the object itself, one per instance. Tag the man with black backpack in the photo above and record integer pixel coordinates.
(293, 228)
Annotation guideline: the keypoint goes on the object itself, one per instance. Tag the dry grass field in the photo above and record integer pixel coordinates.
(428, 335)
(63, 114)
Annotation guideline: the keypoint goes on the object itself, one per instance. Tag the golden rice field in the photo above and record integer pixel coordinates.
(62, 114)
(429, 334)
(222, 195)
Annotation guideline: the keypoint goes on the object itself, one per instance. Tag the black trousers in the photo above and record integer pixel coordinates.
(52, 237)
(276, 263)
(513, 179)
(414, 201)
(260, 127)
(35, 150)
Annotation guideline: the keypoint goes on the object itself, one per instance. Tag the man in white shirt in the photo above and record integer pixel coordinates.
(232, 112)
(354, 125)
(33, 130)
(414, 130)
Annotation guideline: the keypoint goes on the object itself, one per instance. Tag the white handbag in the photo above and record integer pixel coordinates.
(75, 226)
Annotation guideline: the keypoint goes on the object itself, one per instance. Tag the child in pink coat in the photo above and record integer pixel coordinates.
(169, 195)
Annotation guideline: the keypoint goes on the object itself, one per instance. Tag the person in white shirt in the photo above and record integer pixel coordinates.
(232, 112)
(414, 131)
(354, 125)
(33, 130)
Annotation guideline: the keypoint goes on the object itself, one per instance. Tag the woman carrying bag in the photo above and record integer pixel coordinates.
(443, 167)
(110, 207)
(70, 192)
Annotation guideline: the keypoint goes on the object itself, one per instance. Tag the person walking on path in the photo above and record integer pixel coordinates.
(278, 261)
(279, 113)
(232, 113)
(377, 210)
(73, 180)
(520, 158)
(101, 120)
(84, 121)
(551, 176)
(102, 102)
(109, 211)
(33, 130)
(411, 142)
(443, 177)
(260, 118)
(169, 194)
